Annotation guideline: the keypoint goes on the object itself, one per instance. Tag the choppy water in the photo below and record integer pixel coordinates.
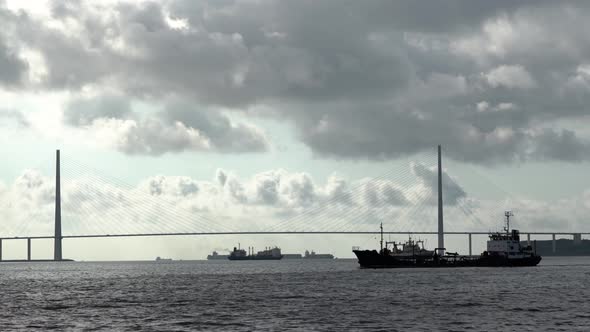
(293, 295)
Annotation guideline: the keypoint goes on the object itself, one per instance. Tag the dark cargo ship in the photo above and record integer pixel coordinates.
(267, 254)
(503, 248)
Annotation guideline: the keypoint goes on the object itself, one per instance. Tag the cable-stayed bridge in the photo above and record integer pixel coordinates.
(87, 204)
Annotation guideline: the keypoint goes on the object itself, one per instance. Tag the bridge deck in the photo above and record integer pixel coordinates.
(272, 233)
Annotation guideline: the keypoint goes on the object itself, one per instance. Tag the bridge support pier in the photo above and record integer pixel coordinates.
(28, 249)
(0, 250)
(554, 244)
(577, 239)
(528, 239)
(470, 252)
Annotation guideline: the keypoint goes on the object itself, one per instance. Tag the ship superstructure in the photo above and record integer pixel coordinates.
(308, 255)
(409, 248)
(269, 253)
(215, 256)
(506, 247)
(313, 255)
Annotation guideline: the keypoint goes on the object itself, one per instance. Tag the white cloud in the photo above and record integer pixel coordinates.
(484, 106)
(497, 38)
(275, 199)
(177, 203)
(147, 137)
(510, 77)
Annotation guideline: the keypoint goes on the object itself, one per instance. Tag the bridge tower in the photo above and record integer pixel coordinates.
(57, 251)
(441, 236)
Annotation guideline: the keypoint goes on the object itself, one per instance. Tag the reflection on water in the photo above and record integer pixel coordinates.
(293, 294)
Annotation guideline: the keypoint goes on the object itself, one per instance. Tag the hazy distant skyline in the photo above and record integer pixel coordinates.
(257, 110)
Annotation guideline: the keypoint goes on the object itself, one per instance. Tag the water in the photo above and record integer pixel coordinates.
(293, 295)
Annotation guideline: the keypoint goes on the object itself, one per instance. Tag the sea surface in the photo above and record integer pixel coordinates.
(297, 295)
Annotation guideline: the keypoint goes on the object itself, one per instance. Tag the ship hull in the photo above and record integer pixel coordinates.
(326, 257)
(216, 258)
(373, 259)
(254, 258)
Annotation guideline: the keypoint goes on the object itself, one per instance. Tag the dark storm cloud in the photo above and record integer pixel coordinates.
(179, 127)
(12, 68)
(386, 134)
(371, 80)
(225, 135)
(82, 111)
(452, 191)
(563, 145)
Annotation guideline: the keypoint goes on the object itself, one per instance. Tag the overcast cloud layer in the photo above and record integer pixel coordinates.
(358, 79)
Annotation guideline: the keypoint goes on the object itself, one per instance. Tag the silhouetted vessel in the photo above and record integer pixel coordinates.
(266, 254)
(160, 259)
(313, 255)
(292, 256)
(308, 255)
(503, 249)
(214, 255)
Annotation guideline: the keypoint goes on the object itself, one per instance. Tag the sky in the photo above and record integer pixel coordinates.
(194, 115)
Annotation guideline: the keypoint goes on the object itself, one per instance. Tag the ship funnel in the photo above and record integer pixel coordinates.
(441, 236)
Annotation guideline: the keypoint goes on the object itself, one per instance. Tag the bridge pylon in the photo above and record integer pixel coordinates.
(441, 233)
(57, 249)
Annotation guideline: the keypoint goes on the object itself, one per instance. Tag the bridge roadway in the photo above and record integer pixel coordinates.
(272, 233)
(576, 235)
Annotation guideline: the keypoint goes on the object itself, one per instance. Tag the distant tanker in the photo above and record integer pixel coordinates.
(215, 256)
(308, 255)
(313, 255)
(267, 254)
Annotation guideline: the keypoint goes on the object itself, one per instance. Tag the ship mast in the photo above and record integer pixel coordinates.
(508, 214)
(441, 237)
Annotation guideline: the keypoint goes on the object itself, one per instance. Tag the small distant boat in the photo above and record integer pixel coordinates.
(214, 255)
(160, 259)
(266, 254)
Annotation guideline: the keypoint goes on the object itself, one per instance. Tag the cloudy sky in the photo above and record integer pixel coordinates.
(283, 115)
